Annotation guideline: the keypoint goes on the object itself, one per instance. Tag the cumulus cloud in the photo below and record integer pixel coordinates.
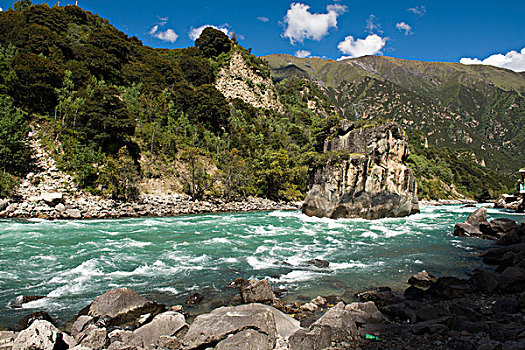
(372, 27)
(263, 19)
(371, 45)
(511, 60)
(196, 32)
(301, 24)
(167, 35)
(302, 53)
(403, 27)
(1, 9)
(418, 10)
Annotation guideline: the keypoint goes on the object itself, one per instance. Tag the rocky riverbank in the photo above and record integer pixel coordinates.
(485, 311)
(55, 205)
(52, 194)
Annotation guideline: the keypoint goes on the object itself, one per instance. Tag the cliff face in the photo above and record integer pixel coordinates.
(237, 80)
(371, 182)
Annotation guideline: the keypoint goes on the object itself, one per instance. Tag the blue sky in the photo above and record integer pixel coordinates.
(428, 30)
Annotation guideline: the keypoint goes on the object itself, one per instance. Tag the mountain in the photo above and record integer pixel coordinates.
(125, 119)
(463, 107)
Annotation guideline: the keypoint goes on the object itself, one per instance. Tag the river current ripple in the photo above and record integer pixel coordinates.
(167, 259)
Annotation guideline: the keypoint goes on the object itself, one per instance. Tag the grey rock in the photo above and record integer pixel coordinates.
(372, 182)
(340, 321)
(450, 287)
(512, 280)
(318, 263)
(80, 323)
(216, 326)
(471, 227)
(422, 280)
(40, 335)
(255, 291)
(164, 324)
(27, 320)
(246, 340)
(123, 306)
(7, 340)
(381, 296)
(484, 281)
(507, 305)
(52, 198)
(93, 337)
(24, 299)
(312, 339)
(365, 312)
(60, 207)
(73, 213)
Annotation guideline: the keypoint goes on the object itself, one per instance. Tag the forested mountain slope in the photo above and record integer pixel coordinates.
(208, 120)
(479, 108)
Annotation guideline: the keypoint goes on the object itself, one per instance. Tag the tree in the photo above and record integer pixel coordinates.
(197, 181)
(213, 42)
(105, 120)
(7, 73)
(119, 176)
(21, 5)
(68, 103)
(235, 175)
(15, 155)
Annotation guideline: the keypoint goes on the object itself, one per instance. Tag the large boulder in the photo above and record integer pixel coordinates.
(222, 324)
(27, 320)
(164, 324)
(52, 198)
(24, 299)
(123, 307)
(471, 227)
(40, 335)
(365, 312)
(371, 181)
(341, 322)
(255, 291)
(422, 280)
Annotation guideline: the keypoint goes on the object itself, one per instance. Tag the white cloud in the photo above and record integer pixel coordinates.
(372, 27)
(263, 19)
(511, 60)
(196, 32)
(168, 35)
(403, 27)
(371, 45)
(303, 53)
(300, 24)
(1, 9)
(418, 10)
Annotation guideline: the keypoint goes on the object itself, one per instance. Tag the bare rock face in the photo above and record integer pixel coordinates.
(371, 180)
(237, 80)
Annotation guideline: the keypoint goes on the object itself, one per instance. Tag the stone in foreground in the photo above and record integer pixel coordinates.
(367, 177)
(226, 328)
(255, 291)
(40, 335)
(123, 306)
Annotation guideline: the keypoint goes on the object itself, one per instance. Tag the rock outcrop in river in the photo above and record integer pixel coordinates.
(369, 180)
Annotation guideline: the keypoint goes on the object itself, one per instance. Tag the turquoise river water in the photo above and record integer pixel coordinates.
(167, 259)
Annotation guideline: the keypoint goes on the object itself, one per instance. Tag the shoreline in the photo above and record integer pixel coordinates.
(89, 207)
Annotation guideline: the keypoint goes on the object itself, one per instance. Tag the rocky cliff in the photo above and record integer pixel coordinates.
(237, 80)
(369, 180)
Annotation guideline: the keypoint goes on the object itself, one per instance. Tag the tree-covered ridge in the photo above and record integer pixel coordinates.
(480, 108)
(114, 112)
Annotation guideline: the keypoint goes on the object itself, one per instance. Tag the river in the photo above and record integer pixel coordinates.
(167, 259)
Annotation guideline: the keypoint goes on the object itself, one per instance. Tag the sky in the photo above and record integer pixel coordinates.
(488, 32)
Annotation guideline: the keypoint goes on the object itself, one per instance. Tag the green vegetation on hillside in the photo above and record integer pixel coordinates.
(478, 108)
(442, 173)
(113, 111)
